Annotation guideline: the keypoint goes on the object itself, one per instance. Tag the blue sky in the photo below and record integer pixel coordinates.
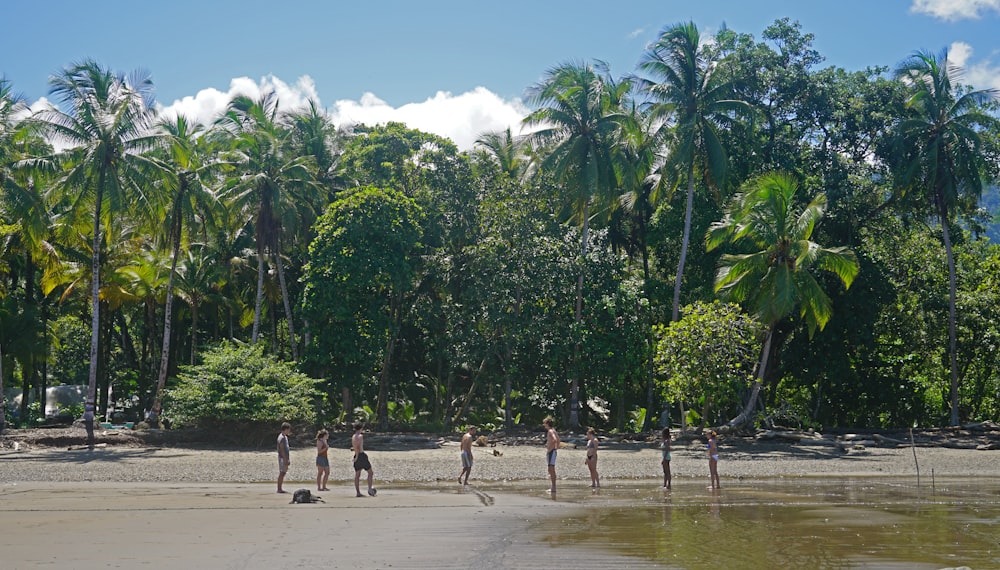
(455, 67)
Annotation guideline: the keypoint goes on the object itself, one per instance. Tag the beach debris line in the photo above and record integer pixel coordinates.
(963, 437)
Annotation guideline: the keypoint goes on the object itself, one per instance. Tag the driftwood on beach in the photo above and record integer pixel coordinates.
(987, 438)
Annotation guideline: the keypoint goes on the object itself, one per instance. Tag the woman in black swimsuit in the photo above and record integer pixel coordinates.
(591, 460)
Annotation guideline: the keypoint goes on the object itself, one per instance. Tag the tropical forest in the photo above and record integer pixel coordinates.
(730, 234)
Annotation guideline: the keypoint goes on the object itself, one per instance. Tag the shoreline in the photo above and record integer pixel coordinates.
(163, 507)
(511, 463)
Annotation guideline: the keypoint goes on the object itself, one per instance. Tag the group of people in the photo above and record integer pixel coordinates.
(360, 461)
(552, 445)
(552, 442)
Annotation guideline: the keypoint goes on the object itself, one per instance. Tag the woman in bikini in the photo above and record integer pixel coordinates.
(322, 461)
(665, 462)
(591, 460)
(713, 460)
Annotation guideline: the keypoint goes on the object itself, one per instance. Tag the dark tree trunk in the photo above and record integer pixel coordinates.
(952, 295)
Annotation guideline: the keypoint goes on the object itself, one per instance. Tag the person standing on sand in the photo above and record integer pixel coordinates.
(322, 460)
(551, 445)
(591, 459)
(467, 454)
(713, 460)
(665, 462)
(284, 457)
(361, 460)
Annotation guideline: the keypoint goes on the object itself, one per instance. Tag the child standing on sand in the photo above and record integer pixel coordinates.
(665, 462)
(284, 459)
(713, 460)
(322, 460)
(467, 455)
(591, 459)
(551, 445)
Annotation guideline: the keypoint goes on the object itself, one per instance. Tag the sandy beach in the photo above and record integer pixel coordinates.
(413, 463)
(163, 507)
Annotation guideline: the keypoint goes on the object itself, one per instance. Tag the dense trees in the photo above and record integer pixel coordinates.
(361, 266)
(689, 89)
(941, 158)
(580, 115)
(531, 275)
(773, 278)
(106, 168)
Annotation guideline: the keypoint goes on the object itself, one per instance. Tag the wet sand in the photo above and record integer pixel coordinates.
(162, 525)
(123, 507)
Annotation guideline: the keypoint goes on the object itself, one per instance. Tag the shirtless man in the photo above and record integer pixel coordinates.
(467, 454)
(361, 460)
(551, 445)
(284, 459)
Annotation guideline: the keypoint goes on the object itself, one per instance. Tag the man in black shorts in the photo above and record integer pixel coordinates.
(361, 460)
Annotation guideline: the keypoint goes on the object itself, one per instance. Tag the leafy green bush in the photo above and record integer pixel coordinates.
(238, 382)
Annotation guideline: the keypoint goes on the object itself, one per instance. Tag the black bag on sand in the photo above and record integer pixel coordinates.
(305, 496)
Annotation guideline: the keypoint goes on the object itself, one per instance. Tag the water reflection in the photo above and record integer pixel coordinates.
(797, 523)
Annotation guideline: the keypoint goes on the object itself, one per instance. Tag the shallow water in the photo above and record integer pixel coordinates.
(783, 523)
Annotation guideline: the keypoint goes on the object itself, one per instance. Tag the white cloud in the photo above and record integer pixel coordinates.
(208, 104)
(636, 33)
(952, 10)
(461, 118)
(42, 104)
(984, 74)
(959, 53)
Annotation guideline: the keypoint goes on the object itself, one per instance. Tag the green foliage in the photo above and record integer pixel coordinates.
(70, 351)
(34, 417)
(239, 382)
(74, 411)
(708, 355)
(361, 264)
(774, 279)
(440, 281)
(636, 419)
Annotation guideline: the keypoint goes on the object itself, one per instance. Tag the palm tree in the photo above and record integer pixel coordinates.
(199, 280)
(269, 185)
(507, 150)
(580, 123)
(314, 135)
(644, 136)
(941, 157)
(22, 206)
(187, 200)
(775, 278)
(688, 90)
(108, 129)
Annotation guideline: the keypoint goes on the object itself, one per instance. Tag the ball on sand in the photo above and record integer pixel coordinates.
(372, 491)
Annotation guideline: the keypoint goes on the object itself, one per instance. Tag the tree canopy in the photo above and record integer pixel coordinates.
(380, 271)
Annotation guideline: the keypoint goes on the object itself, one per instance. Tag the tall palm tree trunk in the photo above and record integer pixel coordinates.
(3, 404)
(751, 405)
(952, 294)
(95, 298)
(685, 239)
(650, 341)
(260, 296)
(194, 330)
(288, 308)
(161, 378)
(574, 388)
